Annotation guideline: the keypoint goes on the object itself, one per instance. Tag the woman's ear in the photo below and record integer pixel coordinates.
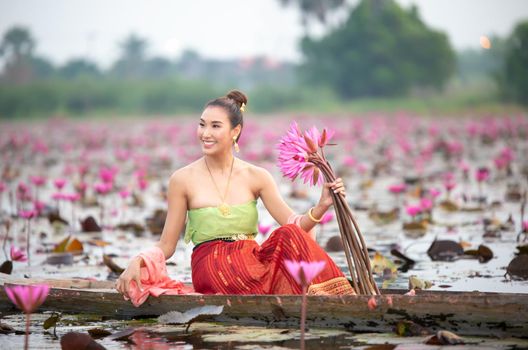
(236, 130)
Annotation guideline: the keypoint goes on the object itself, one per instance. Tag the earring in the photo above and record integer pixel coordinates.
(237, 149)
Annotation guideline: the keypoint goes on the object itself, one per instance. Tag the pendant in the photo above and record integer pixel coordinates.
(224, 209)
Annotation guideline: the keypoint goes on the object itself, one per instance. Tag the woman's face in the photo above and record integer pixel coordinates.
(214, 131)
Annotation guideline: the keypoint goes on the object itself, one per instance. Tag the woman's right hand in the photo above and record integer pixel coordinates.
(132, 273)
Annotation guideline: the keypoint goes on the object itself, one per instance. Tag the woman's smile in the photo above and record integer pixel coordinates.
(208, 143)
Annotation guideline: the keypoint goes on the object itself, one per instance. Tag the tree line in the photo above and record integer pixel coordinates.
(379, 50)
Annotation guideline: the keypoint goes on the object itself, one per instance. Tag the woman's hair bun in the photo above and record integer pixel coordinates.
(238, 96)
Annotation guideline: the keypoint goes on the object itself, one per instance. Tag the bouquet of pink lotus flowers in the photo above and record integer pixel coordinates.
(302, 154)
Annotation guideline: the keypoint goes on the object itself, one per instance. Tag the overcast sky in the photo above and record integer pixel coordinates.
(65, 29)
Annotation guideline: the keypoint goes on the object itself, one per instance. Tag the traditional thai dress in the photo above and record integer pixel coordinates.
(227, 259)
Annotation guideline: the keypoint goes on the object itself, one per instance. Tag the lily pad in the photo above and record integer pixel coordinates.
(6, 267)
(202, 312)
(445, 250)
(518, 267)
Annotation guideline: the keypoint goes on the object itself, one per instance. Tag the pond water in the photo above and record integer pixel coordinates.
(144, 154)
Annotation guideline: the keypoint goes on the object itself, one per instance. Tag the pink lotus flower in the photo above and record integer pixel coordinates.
(327, 217)
(482, 174)
(349, 161)
(413, 210)
(507, 154)
(83, 169)
(264, 229)
(449, 185)
(448, 177)
(103, 187)
(107, 174)
(72, 197)
(294, 148)
(124, 193)
(500, 162)
(3, 186)
(434, 192)
(362, 168)
(17, 254)
(426, 204)
(464, 166)
(38, 180)
(59, 183)
(303, 271)
(81, 187)
(397, 188)
(27, 214)
(27, 298)
(142, 183)
(22, 188)
(38, 206)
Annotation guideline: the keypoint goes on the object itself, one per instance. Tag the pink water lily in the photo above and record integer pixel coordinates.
(107, 174)
(397, 188)
(27, 298)
(434, 192)
(72, 197)
(59, 183)
(413, 210)
(124, 193)
(264, 229)
(103, 187)
(482, 174)
(426, 204)
(294, 149)
(17, 254)
(38, 180)
(327, 217)
(303, 271)
(27, 214)
(449, 185)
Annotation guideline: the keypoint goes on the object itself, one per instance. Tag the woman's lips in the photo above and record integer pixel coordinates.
(208, 144)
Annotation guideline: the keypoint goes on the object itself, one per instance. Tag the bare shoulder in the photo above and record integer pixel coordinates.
(182, 176)
(258, 174)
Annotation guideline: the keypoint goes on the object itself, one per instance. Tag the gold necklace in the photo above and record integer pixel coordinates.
(223, 207)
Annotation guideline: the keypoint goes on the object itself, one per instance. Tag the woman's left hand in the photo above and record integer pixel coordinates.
(338, 187)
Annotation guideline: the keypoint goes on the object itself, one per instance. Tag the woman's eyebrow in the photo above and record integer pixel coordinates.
(213, 122)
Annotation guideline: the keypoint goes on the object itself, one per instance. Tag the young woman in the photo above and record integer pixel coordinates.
(218, 194)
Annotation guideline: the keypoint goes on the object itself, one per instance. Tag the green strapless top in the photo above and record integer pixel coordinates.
(205, 224)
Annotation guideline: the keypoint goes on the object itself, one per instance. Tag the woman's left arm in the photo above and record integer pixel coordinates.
(280, 211)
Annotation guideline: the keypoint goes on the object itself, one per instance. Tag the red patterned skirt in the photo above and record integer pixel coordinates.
(244, 267)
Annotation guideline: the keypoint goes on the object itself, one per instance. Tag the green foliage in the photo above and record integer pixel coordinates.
(380, 50)
(315, 8)
(79, 67)
(89, 95)
(513, 79)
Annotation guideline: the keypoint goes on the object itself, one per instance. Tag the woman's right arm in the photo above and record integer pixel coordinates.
(176, 213)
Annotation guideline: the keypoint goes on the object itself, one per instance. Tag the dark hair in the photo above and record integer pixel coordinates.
(231, 103)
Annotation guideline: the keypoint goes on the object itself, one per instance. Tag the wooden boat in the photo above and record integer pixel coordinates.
(465, 313)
